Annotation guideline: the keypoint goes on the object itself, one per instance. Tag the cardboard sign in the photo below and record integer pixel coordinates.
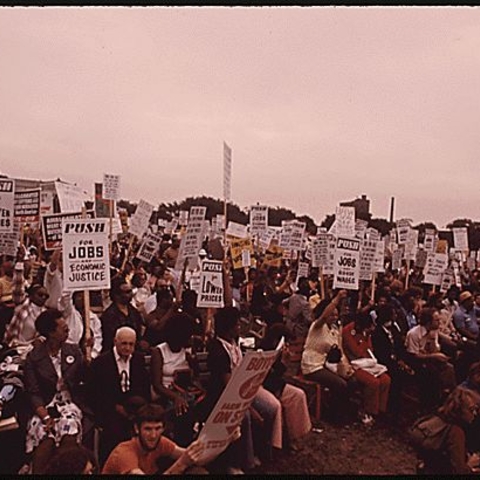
(52, 228)
(273, 256)
(141, 218)
(460, 239)
(111, 186)
(379, 262)
(86, 263)
(211, 285)
(368, 252)
(149, 247)
(297, 230)
(194, 234)
(237, 247)
(70, 197)
(258, 219)
(237, 230)
(9, 243)
(345, 221)
(436, 265)
(302, 271)
(7, 188)
(347, 263)
(227, 171)
(27, 206)
(234, 401)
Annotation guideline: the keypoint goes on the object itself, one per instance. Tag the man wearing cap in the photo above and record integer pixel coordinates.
(464, 317)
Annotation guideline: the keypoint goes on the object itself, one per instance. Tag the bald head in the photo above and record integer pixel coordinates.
(124, 341)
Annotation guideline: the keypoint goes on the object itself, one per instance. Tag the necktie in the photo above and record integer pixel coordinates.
(124, 381)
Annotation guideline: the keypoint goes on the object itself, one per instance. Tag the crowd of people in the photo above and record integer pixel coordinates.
(129, 396)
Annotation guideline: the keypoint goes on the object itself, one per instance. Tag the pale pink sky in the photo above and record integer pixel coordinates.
(319, 105)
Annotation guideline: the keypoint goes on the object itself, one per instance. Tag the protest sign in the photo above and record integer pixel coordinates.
(9, 243)
(194, 234)
(372, 234)
(7, 188)
(421, 258)
(442, 246)
(460, 239)
(379, 262)
(52, 228)
(46, 202)
(410, 251)
(347, 263)
(149, 247)
(397, 259)
(211, 285)
(246, 259)
(403, 229)
(227, 171)
(447, 280)
(237, 230)
(141, 218)
(27, 206)
(273, 256)
(86, 263)
(429, 240)
(471, 264)
(70, 197)
(258, 219)
(265, 238)
(360, 228)
(320, 250)
(345, 221)
(302, 271)
(111, 186)
(329, 266)
(183, 218)
(368, 252)
(234, 401)
(297, 230)
(237, 246)
(285, 234)
(435, 266)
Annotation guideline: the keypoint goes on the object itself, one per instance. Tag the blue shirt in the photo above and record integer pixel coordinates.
(465, 320)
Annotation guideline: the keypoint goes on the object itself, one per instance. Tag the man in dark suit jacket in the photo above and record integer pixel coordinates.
(118, 382)
(389, 350)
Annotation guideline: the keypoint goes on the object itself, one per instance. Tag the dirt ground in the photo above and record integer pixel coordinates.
(349, 450)
(353, 449)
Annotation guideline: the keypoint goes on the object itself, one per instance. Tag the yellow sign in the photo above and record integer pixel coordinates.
(442, 246)
(237, 246)
(273, 256)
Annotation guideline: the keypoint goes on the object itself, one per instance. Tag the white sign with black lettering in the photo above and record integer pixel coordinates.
(149, 247)
(397, 259)
(86, 263)
(141, 218)
(183, 218)
(296, 235)
(329, 266)
(9, 243)
(403, 229)
(195, 229)
(258, 219)
(237, 230)
(345, 221)
(70, 197)
(460, 239)
(367, 259)
(347, 263)
(302, 271)
(111, 186)
(436, 265)
(379, 263)
(211, 285)
(429, 240)
(7, 188)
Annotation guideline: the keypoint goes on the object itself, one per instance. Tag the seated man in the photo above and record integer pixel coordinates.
(143, 453)
(117, 379)
(464, 317)
(436, 375)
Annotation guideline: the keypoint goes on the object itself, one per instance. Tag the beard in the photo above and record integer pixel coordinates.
(146, 447)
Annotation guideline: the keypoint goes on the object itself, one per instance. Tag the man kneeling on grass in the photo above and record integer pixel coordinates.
(148, 450)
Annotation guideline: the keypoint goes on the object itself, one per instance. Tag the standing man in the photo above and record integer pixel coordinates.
(299, 314)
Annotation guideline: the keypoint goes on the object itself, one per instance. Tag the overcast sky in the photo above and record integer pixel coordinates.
(319, 105)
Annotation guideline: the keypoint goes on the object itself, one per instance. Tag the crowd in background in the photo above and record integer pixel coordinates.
(157, 364)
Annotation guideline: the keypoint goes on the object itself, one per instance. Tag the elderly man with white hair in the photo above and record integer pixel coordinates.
(118, 384)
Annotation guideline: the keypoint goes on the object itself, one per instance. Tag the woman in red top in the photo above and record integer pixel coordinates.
(357, 344)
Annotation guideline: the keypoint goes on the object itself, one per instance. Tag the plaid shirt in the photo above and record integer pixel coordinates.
(25, 312)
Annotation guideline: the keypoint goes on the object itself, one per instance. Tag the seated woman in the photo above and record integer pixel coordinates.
(168, 358)
(446, 452)
(324, 336)
(293, 399)
(357, 344)
(53, 371)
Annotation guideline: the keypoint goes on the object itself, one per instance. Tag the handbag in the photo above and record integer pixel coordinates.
(334, 355)
(429, 433)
